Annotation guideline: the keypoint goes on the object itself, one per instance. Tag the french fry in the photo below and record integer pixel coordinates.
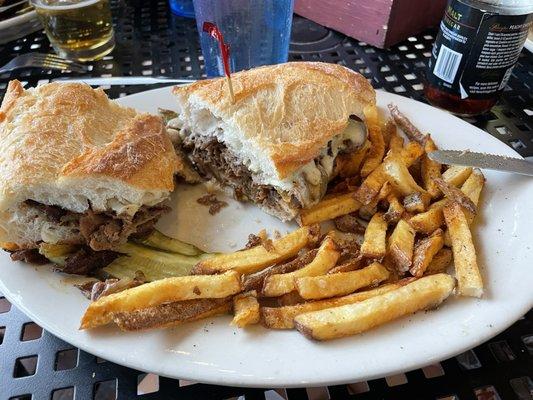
(258, 257)
(441, 261)
(245, 309)
(400, 178)
(366, 212)
(351, 319)
(283, 317)
(352, 265)
(406, 126)
(374, 243)
(469, 281)
(377, 150)
(159, 292)
(339, 284)
(350, 164)
(472, 188)
(401, 244)
(395, 140)
(424, 252)
(287, 299)
(430, 220)
(395, 210)
(456, 175)
(327, 256)
(415, 202)
(171, 314)
(372, 184)
(329, 208)
(255, 281)
(456, 195)
(410, 153)
(430, 170)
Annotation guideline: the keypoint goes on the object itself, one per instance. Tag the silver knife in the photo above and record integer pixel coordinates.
(482, 160)
(126, 80)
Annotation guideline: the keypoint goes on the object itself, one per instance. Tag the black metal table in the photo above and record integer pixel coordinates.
(151, 41)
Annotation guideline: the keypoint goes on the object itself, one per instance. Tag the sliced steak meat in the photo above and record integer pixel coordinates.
(30, 256)
(85, 261)
(53, 213)
(212, 159)
(104, 231)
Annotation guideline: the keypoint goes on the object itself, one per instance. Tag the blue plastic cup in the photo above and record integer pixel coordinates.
(183, 8)
(257, 31)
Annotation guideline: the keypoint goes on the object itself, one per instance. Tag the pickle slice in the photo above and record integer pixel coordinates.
(162, 242)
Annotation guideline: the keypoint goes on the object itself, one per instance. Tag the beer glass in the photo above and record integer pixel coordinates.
(77, 29)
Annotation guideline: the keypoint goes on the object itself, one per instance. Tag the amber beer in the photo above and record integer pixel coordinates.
(78, 30)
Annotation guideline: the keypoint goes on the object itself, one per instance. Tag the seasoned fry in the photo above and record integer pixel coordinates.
(372, 184)
(255, 281)
(424, 252)
(401, 244)
(395, 210)
(283, 317)
(159, 292)
(374, 243)
(171, 314)
(430, 170)
(245, 309)
(342, 283)
(352, 265)
(456, 175)
(351, 319)
(469, 282)
(287, 299)
(415, 202)
(406, 126)
(366, 212)
(257, 258)
(400, 178)
(441, 261)
(327, 256)
(395, 140)
(350, 164)
(377, 150)
(329, 208)
(456, 195)
(430, 220)
(472, 188)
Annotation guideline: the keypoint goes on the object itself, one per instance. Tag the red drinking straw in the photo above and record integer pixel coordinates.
(213, 30)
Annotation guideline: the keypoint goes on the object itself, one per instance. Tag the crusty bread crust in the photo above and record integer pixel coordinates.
(69, 132)
(290, 111)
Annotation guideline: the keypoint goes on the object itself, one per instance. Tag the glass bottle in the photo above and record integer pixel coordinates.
(478, 44)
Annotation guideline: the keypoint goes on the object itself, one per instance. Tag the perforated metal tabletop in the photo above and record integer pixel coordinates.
(151, 41)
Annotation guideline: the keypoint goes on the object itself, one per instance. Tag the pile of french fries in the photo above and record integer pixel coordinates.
(417, 216)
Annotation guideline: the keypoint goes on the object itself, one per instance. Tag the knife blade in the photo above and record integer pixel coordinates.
(482, 160)
(126, 80)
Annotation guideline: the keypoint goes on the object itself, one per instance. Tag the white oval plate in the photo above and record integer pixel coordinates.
(211, 351)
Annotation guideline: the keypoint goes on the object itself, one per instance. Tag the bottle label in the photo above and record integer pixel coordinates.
(475, 50)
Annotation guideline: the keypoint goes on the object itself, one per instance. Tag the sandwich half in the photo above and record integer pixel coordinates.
(277, 143)
(77, 168)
